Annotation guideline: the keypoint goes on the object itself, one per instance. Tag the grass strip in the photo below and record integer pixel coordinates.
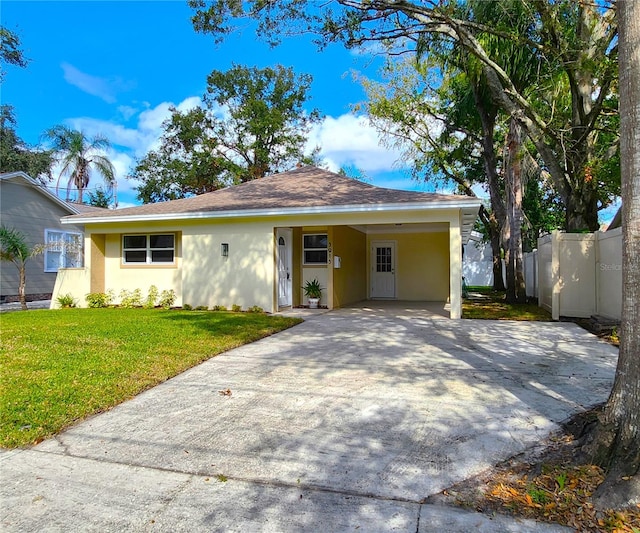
(486, 304)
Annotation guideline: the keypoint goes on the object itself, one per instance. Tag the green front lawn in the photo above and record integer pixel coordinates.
(58, 367)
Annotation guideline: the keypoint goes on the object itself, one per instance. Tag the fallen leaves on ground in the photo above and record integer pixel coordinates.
(560, 494)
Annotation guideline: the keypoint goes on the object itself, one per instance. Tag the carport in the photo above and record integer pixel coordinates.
(366, 262)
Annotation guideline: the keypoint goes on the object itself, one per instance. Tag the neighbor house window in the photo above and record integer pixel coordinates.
(156, 248)
(315, 249)
(63, 249)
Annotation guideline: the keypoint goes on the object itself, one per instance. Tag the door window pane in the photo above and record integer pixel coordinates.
(383, 259)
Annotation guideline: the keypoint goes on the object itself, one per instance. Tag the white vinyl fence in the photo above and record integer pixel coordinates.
(477, 262)
(577, 274)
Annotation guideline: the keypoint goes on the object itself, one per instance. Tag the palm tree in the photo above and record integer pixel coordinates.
(14, 248)
(78, 155)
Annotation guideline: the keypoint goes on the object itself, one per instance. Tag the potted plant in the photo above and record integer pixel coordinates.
(313, 291)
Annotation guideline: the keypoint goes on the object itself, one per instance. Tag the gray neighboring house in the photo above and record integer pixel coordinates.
(34, 211)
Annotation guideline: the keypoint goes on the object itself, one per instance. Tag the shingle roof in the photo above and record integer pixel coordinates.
(300, 188)
(84, 208)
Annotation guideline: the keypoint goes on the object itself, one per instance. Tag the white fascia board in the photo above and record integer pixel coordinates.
(472, 203)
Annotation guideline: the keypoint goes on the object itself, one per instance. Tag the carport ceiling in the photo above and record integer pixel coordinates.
(468, 221)
(403, 228)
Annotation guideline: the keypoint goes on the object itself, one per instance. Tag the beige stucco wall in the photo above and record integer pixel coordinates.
(422, 269)
(350, 280)
(245, 278)
(96, 258)
(74, 282)
(30, 212)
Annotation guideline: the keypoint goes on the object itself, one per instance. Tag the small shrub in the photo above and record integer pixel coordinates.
(218, 308)
(255, 309)
(187, 307)
(538, 495)
(201, 308)
(130, 299)
(236, 308)
(167, 298)
(99, 299)
(66, 300)
(152, 297)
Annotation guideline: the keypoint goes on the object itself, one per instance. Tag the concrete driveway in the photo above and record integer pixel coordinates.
(346, 422)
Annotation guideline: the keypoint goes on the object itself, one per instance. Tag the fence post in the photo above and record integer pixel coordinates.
(555, 275)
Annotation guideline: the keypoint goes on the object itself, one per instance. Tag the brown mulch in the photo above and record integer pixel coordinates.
(551, 485)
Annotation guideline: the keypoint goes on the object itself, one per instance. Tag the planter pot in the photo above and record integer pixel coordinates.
(313, 303)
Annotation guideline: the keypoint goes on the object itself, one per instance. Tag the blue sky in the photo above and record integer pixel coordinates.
(115, 68)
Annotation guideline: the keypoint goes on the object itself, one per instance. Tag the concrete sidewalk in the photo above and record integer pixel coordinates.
(15, 306)
(345, 422)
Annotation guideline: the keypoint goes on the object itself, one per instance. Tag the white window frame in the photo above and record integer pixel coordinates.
(148, 250)
(305, 249)
(64, 246)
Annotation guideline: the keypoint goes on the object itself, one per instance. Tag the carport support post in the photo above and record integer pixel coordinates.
(455, 268)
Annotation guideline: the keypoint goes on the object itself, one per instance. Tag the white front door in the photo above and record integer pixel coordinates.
(285, 262)
(383, 269)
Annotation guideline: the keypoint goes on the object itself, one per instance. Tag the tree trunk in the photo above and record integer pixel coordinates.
(496, 252)
(582, 208)
(492, 228)
(22, 287)
(616, 439)
(516, 292)
(497, 220)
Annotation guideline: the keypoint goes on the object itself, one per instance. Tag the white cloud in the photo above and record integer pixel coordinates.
(141, 138)
(127, 111)
(344, 140)
(351, 140)
(103, 88)
(131, 143)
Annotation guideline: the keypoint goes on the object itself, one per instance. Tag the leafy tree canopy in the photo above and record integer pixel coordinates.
(10, 52)
(16, 155)
(253, 124)
(101, 198)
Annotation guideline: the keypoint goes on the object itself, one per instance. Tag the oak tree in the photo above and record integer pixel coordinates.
(253, 123)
